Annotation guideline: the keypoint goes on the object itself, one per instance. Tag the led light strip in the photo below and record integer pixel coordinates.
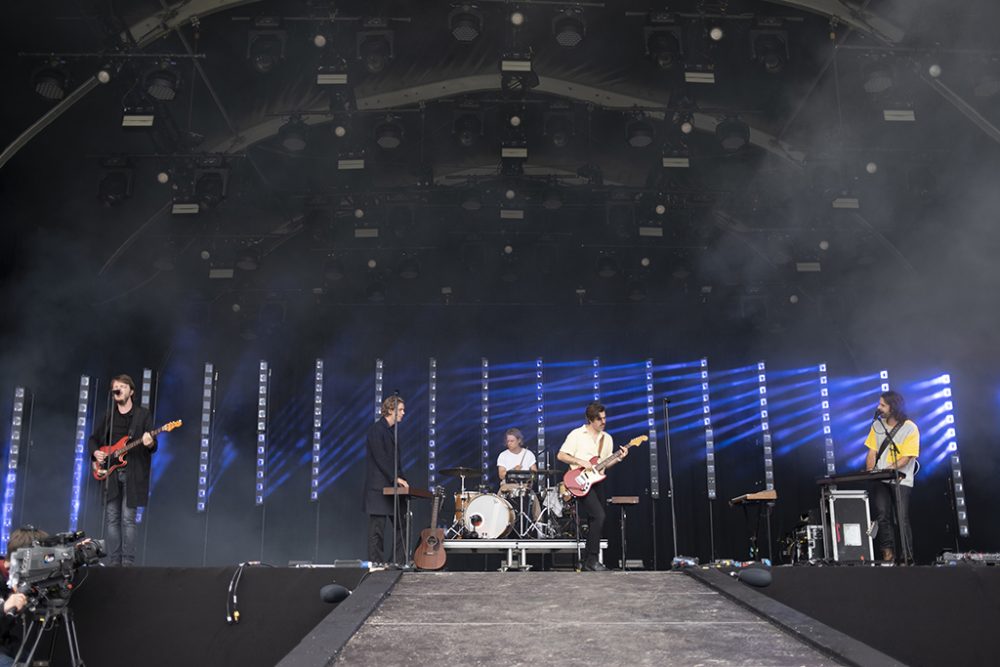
(654, 463)
(432, 423)
(765, 426)
(824, 406)
(13, 458)
(146, 393)
(706, 411)
(485, 419)
(209, 380)
(378, 388)
(958, 484)
(263, 386)
(540, 411)
(596, 377)
(317, 432)
(79, 460)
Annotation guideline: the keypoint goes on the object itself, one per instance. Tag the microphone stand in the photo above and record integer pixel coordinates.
(894, 455)
(670, 477)
(395, 473)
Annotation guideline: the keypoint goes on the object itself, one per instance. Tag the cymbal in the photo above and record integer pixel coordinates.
(461, 472)
(540, 473)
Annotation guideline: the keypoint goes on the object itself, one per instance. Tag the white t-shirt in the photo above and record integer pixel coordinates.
(507, 459)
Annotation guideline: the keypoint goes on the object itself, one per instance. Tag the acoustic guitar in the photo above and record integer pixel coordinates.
(430, 553)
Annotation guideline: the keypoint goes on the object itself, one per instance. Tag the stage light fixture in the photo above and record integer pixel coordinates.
(18, 426)
(468, 129)
(716, 33)
(879, 78)
(116, 182)
(140, 115)
(211, 185)
(266, 44)
(79, 451)
(663, 46)
(607, 267)
(263, 414)
(517, 18)
(432, 421)
(517, 74)
(376, 46)
(732, 134)
(332, 72)
(162, 82)
(294, 135)
(465, 23)
(639, 132)
(568, 28)
(249, 258)
(558, 128)
(51, 79)
(770, 49)
(388, 133)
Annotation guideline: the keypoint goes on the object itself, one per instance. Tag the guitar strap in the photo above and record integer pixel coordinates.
(890, 437)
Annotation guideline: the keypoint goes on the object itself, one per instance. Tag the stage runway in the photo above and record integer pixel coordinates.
(568, 618)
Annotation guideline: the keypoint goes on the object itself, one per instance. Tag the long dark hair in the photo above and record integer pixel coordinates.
(897, 406)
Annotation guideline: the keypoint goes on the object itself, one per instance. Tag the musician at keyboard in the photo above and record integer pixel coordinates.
(893, 443)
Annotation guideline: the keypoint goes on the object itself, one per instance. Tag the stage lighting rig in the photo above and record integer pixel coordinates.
(116, 183)
(770, 49)
(266, 43)
(51, 79)
(516, 73)
(375, 45)
(558, 125)
(468, 126)
(211, 181)
(294, 135)
(162, 81)
(465, 23)
(663, 42)
(388, 133)
(569, 28)
(639, 131)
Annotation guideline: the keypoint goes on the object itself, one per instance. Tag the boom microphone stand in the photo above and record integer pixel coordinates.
(670, 476)
(395, 472)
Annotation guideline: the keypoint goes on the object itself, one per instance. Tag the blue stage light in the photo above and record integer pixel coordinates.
(210, 379)
(317, 432)
(17, 424)
(82, 409)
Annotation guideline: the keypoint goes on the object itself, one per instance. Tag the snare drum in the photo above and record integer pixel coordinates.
(489, 516)
(553, 501)
(462, 501)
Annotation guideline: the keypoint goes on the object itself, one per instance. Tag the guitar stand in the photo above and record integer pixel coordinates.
(57, 611)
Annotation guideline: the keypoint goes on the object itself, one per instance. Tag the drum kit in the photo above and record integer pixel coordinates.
(527, 506)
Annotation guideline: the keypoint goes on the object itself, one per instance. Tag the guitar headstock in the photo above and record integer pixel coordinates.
(170, 426)
(439, 491)
(638, 440)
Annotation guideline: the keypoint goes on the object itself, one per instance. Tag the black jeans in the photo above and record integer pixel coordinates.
(592, 507)
(376, 537)
(884, 506)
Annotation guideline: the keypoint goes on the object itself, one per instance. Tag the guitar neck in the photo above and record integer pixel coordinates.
(616, 457)
(131, 444)
(434, 511)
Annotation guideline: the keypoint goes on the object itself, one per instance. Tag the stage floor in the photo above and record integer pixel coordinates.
(568, 618)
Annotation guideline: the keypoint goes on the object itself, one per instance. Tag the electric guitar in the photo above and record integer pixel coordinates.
(579, 481)
(116, 452)
(430, 554)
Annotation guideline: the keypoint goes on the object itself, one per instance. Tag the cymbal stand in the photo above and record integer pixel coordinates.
(455, 530)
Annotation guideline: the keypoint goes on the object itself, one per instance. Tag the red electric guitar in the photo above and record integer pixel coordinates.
(579, 481)
(430, 553)
(116, 452)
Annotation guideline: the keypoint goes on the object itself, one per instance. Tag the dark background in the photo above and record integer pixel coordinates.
(907, 280)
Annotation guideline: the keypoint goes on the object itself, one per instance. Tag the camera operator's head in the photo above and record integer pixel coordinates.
(23, 537)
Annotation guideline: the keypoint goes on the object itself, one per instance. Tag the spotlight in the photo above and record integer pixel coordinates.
(770, 49)
(266, 44)
(716, 33)
(687, 124)
(878, 78)
(116, 183)
(51, 80)
(552, 200)
(249, 259)
(607, 267)
(517, 18)
(663, 46)
(162, 82)
(319, 40)
(471, 201)
(388, 133)
(163, 177)
(733, 134)
(465, 23)
(293, 135)
(375, 47)
(559, 129)
(871, 167)
(639, 132)
(103, 75)
(468, 129)
(211, 186)
(568, 29)
(934, 70)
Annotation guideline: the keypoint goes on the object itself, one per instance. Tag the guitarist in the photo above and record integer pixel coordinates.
(581, 445)
(128, 487)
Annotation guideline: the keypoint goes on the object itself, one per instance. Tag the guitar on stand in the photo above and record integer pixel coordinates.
(430, 554)
(579, 481)
(117, 452)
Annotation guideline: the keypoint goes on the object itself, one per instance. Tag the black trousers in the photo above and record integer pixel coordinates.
(592, 509)
(376, 537)
(884, 506)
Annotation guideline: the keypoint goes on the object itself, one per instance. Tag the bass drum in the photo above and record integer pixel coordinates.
(488, 516)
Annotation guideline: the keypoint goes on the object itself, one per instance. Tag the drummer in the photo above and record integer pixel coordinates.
(515, 457)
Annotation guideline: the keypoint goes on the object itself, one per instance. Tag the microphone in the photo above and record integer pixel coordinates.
(877, 415)
(116, 392)
(333, 593)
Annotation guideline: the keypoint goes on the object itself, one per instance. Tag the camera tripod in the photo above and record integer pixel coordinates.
(46, 618)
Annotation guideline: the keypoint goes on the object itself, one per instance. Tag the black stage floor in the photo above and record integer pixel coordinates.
(568, 618)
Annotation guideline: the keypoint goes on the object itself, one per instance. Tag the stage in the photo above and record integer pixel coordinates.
(807, 616)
